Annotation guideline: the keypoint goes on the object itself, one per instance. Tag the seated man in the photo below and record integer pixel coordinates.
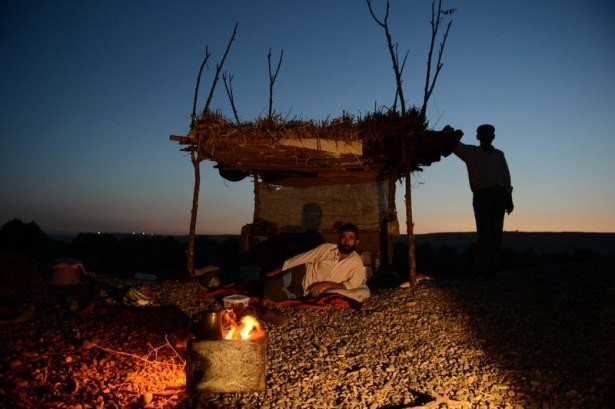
(324, 268)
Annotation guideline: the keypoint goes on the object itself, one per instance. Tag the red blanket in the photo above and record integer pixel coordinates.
(327, 300)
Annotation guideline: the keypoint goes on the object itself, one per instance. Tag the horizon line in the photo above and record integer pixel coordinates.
(150, 234)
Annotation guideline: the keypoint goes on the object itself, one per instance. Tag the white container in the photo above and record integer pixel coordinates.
(236, 300)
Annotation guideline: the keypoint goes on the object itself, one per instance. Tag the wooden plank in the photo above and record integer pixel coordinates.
(337, 148)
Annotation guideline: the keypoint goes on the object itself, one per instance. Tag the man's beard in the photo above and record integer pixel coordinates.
(345, 249)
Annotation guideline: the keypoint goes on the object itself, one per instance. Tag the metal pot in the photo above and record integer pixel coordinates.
(210, 326)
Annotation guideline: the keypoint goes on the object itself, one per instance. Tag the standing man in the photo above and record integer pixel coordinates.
(492, 196)
(326, 267)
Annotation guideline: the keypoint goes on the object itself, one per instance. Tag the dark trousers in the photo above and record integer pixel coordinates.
(489, 208)
(286, 285)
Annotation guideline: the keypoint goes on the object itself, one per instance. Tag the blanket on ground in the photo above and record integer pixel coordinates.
(333, 298)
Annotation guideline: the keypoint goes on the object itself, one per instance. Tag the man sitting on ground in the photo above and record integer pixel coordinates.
(324, 268)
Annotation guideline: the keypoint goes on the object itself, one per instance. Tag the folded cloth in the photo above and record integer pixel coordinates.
(358, 294)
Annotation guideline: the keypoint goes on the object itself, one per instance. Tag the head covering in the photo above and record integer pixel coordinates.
(485, 130)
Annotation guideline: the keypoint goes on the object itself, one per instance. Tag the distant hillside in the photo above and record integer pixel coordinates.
(541, 243)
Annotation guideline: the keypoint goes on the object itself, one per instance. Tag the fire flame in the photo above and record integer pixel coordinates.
(249, 328)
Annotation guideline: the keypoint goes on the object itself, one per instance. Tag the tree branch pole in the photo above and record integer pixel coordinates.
(196, 158)
(406, 153)
(407, 148)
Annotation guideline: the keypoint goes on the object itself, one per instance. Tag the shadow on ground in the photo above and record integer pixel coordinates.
(549, 327)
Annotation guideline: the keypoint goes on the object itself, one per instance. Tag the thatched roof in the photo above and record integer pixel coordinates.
(343, 150)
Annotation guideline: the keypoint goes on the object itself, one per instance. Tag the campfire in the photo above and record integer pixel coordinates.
(239, 326)
(248, 329)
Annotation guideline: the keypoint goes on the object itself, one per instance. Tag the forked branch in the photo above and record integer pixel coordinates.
(272, 77)
(393, 51)
(401, 70)
(218, 70)
(196, 89)
(228, 86)
(436, 20)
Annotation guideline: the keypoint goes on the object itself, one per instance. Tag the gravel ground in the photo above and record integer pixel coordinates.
(538, 337)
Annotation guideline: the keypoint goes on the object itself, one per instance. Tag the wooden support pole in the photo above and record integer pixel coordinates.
(193, 216)
(257, 198)
(410, 230)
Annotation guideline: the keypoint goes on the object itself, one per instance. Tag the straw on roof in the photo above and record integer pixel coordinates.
(342, 150)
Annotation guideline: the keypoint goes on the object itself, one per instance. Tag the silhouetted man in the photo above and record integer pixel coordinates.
(492, 196)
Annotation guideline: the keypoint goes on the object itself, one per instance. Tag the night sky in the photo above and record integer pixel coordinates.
(91, 91)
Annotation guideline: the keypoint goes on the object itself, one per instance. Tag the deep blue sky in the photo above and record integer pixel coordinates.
(91, 90)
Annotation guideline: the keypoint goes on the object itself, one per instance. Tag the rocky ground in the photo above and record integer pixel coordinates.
(538, 337)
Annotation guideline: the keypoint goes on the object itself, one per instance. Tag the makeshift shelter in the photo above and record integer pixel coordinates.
(310, 176)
